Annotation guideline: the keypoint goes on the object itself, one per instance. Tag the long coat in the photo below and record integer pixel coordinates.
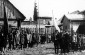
(22, 39)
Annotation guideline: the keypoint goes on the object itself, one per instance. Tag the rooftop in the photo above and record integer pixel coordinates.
(75, 16)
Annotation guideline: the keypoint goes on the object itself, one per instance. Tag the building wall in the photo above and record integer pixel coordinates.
(66, 24)
(43, 21)
(1, 9)
(40, 26)
(11, 13)
(69, 25)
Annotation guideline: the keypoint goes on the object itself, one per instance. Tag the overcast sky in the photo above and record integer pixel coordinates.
(59, 7)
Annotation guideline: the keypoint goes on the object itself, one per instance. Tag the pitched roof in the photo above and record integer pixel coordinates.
(82, 12)
(75, 16)
(75, 12)
(62, 18)
(13, 10)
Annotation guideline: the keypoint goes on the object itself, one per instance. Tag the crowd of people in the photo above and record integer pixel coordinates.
(17, 39)
(23, 38)
(20, 38)
(67, 42)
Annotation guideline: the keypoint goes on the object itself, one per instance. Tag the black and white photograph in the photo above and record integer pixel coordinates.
(42, 27)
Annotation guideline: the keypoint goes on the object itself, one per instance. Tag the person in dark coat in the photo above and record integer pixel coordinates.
(66, 42)
(43, 39)
(22, 39)
(25, 39)
(1, 41)
(14, 38)
(56, 41)
(10, 40)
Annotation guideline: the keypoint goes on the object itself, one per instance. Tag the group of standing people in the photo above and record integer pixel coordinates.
(17, 39)
(64, 42)
(61, 41)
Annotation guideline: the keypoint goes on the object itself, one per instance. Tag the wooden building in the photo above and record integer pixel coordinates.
(71, 22)
(44, 24)
(14, 16)
(40, 24)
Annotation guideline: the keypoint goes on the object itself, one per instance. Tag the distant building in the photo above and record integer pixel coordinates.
(44, 24)
(41, 24)
(14, 16)
(44, 20)
(29, 25)
(72, 21)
